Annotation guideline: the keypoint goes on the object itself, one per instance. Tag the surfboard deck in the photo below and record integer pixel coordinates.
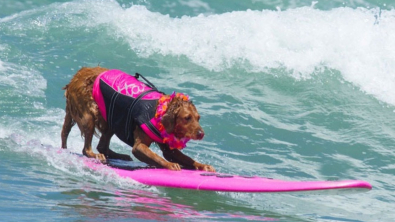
(200, 180)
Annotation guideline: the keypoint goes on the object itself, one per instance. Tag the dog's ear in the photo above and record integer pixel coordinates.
(168, 121)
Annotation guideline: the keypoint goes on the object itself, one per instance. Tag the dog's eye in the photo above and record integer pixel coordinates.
(187, 118)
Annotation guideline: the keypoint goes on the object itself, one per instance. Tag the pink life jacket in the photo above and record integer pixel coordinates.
(125, 103)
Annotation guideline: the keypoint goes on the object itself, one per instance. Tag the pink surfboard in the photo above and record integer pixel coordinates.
(199, 180)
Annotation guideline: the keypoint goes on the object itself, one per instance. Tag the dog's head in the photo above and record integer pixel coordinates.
(182, 119)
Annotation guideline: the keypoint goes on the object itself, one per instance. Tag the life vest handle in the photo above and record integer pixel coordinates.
(137, 75)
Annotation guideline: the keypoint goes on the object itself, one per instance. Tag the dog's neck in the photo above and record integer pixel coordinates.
(163, 104)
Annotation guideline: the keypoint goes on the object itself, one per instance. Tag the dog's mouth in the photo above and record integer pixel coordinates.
(196, 136)
(180, 135)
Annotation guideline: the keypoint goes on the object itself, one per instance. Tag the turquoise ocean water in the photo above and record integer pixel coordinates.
(293, 89)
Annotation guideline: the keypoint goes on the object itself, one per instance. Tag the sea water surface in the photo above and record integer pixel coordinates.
(294, 90)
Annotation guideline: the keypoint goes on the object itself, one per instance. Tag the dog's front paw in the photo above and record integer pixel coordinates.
(173, 166)
(204, 167)
(100, 157)
(91, 154)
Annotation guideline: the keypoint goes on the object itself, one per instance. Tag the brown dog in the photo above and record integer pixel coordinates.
(181, 119)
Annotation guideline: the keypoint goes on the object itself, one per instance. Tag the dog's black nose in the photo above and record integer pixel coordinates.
(200, 134)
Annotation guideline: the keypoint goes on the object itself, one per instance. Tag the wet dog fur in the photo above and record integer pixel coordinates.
(182, 119)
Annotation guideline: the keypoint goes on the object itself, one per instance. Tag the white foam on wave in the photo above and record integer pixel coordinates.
(2, 48)
(303, 41)
(65, 160)
(1, 66)
(357, 42)
(23, 80)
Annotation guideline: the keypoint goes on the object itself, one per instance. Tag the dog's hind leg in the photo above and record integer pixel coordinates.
(67, 125)
(88, 129)
(104, 147)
